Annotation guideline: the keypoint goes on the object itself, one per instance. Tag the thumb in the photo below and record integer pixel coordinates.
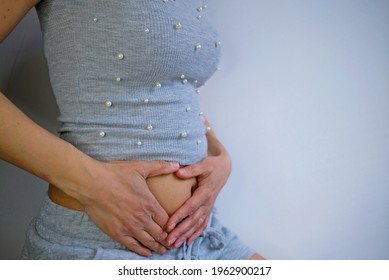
(157, 167)
(189, 171)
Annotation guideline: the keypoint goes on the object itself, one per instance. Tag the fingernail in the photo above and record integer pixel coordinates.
(169, 228)
(172, 226)
(175, 165)
(172, 241)
(183, 171)
(178, 244)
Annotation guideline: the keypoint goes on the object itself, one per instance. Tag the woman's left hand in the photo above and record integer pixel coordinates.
(190, 220)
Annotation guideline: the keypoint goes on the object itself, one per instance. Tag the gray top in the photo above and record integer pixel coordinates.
(125, 75)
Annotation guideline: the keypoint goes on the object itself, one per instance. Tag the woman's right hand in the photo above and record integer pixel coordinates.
(121, 205)
(115, 195)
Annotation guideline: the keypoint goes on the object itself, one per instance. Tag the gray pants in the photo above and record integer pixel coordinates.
(61, 233)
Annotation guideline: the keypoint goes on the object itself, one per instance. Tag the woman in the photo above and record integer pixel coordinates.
(136, 157)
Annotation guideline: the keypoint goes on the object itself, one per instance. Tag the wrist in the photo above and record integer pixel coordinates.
(78, 173)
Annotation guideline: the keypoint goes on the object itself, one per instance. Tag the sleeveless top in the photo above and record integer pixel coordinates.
(126, 74)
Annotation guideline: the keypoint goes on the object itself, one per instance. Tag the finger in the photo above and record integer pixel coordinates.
(157, 167)
(198, 232)
(158, 215)
(185, 229)
(197, 227)
(190, 171)
(184, 237)
(149, 242)
(188, 208)
(158, 234)
(177, 236)
(134, 246)
(153, 221)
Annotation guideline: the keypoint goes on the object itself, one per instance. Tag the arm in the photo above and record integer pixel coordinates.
(115, 195)
(212, 174)
(11, 13)
(126, 210)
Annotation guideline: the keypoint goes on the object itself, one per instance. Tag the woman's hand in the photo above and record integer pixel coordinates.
(190, 220)
(120, 203)
(115, 195)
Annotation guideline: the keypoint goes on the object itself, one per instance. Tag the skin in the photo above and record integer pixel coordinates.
(127, 210)
(171, 191)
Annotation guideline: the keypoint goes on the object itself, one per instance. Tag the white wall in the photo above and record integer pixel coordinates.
(301, 102)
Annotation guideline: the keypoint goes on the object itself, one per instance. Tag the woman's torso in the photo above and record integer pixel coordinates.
(126, 77)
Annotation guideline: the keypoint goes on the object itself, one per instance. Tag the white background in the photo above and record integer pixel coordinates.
(302, 104)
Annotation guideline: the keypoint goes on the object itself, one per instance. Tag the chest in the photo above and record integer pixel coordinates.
(154, 38)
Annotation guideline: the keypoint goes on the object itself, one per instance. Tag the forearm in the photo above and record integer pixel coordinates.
(215, 147)
(32, 148)
(11, 12)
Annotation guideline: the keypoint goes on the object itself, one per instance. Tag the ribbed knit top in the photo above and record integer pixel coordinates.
(126, 74)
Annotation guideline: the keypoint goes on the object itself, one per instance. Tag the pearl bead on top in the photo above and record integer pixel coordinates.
(120, 56)
(198, 50)
(184, 134)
